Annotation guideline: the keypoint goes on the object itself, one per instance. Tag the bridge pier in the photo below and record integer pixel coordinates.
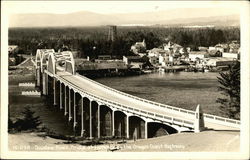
(127, 127)
(74, 114)
(61, 95)
(44, 84)
(113, 123)
(66, 100)
(82, 119)
(47, 83)
(90, 121)
(38, 76)
(98, 122)
(70, 116)
(146, 130)
(54, 92)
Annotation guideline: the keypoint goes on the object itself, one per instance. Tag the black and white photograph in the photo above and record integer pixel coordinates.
(125, 79)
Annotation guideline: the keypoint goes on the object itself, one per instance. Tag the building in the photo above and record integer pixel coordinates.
(194, 55)
(231, 55)
(132, 59)
(159, 56)
(234, 47)
(172, 47)
(215, 53)
(219, 61)
(12, 48)
(139, 47)
(155, 52)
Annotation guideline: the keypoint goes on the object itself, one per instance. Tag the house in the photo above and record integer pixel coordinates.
(194, 55)
(138, 47)
(172, 47)
(12, 48)
(159, 56)
(155, 52)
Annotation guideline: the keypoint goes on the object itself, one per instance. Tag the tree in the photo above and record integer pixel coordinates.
(29, 121)
(230, 87)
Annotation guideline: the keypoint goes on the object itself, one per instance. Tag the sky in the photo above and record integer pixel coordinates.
(109, 7)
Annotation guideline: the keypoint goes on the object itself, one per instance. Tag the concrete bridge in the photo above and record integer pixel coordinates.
(96, 110)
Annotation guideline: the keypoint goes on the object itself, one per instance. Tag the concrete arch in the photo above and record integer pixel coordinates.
(42, 56)
(51, 63)
(120, 120)
(69, 62)
(156, 129)
(136, 127)
(38, 58)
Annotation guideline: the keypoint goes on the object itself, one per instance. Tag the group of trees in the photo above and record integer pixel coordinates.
(230, 88)
(93, 41)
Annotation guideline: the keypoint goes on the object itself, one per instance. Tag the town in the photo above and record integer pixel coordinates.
(167, 57)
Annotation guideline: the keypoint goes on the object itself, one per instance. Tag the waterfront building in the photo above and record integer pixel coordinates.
(194, 55)
(132, 59)
(219, 61)
(230, 55)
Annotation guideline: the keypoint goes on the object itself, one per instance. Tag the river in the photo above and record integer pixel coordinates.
(182, 89)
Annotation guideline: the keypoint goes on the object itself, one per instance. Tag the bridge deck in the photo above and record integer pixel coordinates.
(105, 93)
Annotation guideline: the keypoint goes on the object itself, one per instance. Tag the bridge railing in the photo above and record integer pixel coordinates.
(144, 113)
(207, 117)
(141, 99)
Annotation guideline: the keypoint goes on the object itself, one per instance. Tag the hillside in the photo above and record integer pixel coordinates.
(197, 16)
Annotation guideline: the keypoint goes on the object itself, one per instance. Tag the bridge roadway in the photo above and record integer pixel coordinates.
(100, 91)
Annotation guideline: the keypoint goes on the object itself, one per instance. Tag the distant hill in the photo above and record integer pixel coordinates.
(197, 16)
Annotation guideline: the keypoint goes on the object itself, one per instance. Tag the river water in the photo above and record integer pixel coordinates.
(182, 89)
